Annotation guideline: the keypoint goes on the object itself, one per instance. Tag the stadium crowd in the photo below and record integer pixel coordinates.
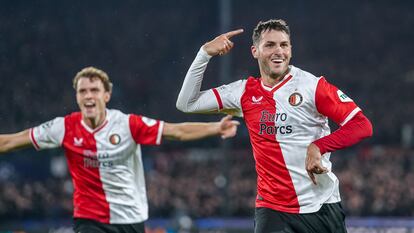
(43, 44)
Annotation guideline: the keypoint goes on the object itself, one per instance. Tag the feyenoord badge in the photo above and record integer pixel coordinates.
(295, 99)
(115, 139)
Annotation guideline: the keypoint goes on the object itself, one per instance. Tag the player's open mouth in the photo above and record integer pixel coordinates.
(89, 105)
(276, 60)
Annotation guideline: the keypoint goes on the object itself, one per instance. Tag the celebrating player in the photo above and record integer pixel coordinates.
(286, 111)
(102, 147)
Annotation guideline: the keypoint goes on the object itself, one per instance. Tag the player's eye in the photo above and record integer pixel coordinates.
(284, 45)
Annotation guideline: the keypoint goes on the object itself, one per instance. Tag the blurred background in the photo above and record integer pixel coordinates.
(363, 47)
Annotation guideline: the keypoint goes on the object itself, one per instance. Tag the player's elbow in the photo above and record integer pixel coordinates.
(180, 106)
(365, 128)
(183, 106)
(370, 130)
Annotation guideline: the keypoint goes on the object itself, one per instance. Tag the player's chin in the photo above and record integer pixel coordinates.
(279, 70)
(88, 113)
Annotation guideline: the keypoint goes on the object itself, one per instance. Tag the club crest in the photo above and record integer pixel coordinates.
(114, 139)
(295, 99)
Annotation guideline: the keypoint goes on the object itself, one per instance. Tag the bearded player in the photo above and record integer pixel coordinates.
(286, 111)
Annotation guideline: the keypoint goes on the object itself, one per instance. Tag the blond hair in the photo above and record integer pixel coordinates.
(93, 73)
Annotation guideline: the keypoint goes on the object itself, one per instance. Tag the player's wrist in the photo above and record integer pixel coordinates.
(205, 52)
(319, 146)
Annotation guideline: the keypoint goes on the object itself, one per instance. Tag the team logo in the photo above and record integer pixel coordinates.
(295, 99)
(343, 97)
(77, 141)
(256, 100)
(148, 121)
(114, 139)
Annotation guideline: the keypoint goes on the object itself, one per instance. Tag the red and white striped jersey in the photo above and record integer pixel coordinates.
(282, 121)
(105, 163)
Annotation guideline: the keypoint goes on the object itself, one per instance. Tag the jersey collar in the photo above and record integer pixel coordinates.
(93, 131)
(285, 79)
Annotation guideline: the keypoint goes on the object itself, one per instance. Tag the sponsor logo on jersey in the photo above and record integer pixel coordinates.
(343, 97)
(148, 121)
(257, 100)
(95, 163)
(268, 123)
(295, 99)
(114, 139)
(77, 141)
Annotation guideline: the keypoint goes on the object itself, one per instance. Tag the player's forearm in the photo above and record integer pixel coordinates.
(354, 131)
(190, 98)
(10, 142)
(194, 131)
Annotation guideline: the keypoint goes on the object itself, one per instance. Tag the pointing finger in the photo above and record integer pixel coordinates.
(230, 34)
(235, 122)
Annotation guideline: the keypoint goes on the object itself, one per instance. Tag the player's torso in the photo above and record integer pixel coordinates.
(282, 121)
(106, 168)
(285, 114)
(105, 147)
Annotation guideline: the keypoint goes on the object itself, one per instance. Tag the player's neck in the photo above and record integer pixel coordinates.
(94, 123)
(273, 81)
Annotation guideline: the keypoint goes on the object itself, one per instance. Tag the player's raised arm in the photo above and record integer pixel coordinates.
(191, 99)
(226, 128)
(10, 142)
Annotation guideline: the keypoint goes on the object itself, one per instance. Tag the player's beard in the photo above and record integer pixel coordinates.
(266, 69)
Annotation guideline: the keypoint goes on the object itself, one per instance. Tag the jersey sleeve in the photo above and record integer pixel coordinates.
(145, 130)
(228, 97)
(192, 99)
(333, 103)
(49, 134)
(358, 128)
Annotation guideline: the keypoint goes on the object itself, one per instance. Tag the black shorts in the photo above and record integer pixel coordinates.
(329, 219)
(82, 225)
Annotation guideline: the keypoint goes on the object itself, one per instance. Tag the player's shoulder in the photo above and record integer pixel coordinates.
(73, 117)
(252, 81)
(303, 75)
(116, 115)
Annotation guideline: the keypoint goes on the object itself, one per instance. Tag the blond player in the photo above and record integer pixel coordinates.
(103, 151)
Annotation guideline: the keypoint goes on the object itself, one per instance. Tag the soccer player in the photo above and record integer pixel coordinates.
(286, 111)
(103, 151)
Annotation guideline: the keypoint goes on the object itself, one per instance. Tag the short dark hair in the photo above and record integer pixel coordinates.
(272, 24)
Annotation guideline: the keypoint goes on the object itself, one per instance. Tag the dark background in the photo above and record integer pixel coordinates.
(146, 47)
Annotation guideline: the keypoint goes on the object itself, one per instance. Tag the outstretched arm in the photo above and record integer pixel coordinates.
(191, 99)
(226, 128)
(10, 142)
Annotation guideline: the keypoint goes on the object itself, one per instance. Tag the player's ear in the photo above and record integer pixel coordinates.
(107, 96)
(254, 51)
